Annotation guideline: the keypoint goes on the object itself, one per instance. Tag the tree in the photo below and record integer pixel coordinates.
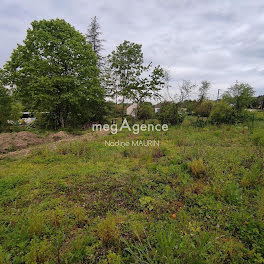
(185, 89)
(147, 87)
(93, 37)
(124, 64)
(5, 106)
(240, 96)
(203, 90)
(56, 71)
(129, 76)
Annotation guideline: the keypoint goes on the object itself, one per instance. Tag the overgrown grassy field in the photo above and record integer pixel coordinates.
(197, 198)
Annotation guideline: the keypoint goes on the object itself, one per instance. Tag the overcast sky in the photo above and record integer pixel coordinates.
(217, 40)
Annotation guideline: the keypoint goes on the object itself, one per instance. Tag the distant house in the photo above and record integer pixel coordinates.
(131, 110)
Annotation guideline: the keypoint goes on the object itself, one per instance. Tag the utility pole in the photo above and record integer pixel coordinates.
(218, 93)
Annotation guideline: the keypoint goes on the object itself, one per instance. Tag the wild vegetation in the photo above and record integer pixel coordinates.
(196, 198)
(192, 194)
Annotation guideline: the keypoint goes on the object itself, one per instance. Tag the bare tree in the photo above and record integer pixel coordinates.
(186, 87)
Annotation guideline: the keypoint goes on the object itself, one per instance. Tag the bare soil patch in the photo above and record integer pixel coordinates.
(16, 141)
(22, 143)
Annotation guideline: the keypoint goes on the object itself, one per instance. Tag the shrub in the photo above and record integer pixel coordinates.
(170, 114)
(204, 108)
(79, 215)
(197, 168)
(222, 113)
(258, 138)
(108, 230)
(145, 111)
(113, 258)
(252, 177)
(40, 252)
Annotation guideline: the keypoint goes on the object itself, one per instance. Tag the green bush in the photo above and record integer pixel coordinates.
(222, 113)
(204, 108)
(146, 111)
(170, 114)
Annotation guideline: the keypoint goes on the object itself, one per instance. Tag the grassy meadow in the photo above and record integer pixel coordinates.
(197, 198)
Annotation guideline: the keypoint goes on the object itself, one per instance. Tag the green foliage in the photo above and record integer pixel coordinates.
(203, 90)
(204, 108)
(222, 113)
(113, 258)
(197, 168)
(198, 198)
(258, 138)
(192, 245)
(126, 74)
(240, 95)
(55, 71)
(145, 111)
(170, 113)
(5, 106)
(108, 230)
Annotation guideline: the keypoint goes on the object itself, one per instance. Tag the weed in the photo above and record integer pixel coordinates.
(108, 230)
(197, 168)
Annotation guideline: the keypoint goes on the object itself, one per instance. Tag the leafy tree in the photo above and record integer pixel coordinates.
(5, 107)
(240, 96)
(128, 77)
(93, 37)
(124, 64)
(203, 90)
(147, 87)
(56, 71)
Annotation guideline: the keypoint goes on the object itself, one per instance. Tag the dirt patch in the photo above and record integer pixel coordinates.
(16, 141)
(58, 136)
(22, 143)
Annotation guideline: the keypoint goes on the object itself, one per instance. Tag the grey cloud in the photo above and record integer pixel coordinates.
(220, 41)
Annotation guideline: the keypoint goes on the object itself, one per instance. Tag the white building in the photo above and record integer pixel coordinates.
(132, 109)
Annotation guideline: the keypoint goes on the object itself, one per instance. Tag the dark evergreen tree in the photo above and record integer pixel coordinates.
(93, 37)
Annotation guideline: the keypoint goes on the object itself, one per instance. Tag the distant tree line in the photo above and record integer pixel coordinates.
(62, 75)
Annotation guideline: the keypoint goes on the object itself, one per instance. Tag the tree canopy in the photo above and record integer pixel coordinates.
(239, 95)
(129, 78)
(55, 71)
(5, 106)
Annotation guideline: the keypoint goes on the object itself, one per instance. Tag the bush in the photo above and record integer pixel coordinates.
(146, 111)
(204, 108)
(108, 230)
(258, 138)
(197, 168)
(222, 113)
(170, 114)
